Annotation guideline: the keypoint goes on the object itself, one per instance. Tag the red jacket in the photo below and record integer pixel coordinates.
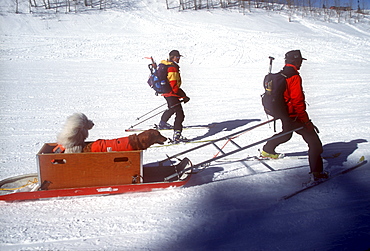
(121, 144)
(294, 97)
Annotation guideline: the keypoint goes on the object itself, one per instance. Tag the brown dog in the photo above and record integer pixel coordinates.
(133, 142)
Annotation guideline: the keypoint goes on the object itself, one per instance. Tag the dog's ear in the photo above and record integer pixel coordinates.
(145, 139)
(135, 142)
(87, 147)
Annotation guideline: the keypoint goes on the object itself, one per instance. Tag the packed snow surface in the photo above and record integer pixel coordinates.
(52, 65)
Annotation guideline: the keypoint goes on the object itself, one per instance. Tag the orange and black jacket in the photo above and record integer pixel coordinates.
(174, 79)
(101, 145)
(295, 98)
(120, 144)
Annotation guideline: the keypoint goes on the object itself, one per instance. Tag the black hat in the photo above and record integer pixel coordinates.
(175, 53)
(292, 55)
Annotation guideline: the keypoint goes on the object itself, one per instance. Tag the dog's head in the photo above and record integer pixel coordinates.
(80, 124)
(150, 137)
(75, 130)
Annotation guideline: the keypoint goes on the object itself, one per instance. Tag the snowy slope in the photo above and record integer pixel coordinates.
(55, 64)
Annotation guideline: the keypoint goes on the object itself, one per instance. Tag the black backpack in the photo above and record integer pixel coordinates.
(273, 99)
(158, 79)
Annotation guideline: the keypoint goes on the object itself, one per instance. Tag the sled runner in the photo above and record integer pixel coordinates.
(103, 173)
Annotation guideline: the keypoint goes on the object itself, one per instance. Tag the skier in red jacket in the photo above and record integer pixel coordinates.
(295, 100)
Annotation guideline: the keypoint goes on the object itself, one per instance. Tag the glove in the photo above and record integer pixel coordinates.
(310, 126)
(185, 99)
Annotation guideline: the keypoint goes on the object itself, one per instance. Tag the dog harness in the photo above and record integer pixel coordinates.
(59, 149)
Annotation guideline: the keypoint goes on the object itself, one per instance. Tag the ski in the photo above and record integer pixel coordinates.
(332, 156)
(281, 158)
(286, 157)
(361, 162)
(156, 127)
(182, 143)
(187, 127)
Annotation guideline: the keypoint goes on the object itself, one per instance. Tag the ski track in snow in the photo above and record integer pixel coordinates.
(53, 65)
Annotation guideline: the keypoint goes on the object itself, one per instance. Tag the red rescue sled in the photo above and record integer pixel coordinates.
(87, 174)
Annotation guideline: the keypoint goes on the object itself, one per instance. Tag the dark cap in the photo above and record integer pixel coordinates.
(175, 53)
(292, 55)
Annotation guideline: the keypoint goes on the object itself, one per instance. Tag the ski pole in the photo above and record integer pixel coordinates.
(271, 59)
(156, 114)
(138, 118)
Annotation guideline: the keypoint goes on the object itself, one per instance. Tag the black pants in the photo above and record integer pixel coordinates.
(309, 136)
(175, 107)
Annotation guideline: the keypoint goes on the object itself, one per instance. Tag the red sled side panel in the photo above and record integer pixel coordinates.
(88, 191)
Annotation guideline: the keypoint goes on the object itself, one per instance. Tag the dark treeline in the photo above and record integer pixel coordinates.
(325, 10)
(339, 11)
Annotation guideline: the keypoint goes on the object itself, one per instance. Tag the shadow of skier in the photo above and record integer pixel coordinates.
(217, 127)
(335, 153)
(344, 148)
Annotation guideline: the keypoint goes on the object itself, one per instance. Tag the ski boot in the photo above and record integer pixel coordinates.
(164, 125)
(318, 176)
(177, 137)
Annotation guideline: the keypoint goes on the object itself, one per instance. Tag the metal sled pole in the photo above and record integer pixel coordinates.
(235, 151)
(216, 140)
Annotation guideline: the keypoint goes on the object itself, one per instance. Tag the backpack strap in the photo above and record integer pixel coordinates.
(288, 72)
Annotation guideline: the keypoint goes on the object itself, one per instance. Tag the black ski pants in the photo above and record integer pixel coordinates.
(309, 136)
(174, 107)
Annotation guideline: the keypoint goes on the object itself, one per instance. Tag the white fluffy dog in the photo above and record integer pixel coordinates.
(74, 132)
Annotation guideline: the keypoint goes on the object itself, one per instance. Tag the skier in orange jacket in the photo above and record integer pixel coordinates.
(174, 97)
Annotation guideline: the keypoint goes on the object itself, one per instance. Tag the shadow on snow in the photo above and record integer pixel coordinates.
(217, 127)
(245, 220)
